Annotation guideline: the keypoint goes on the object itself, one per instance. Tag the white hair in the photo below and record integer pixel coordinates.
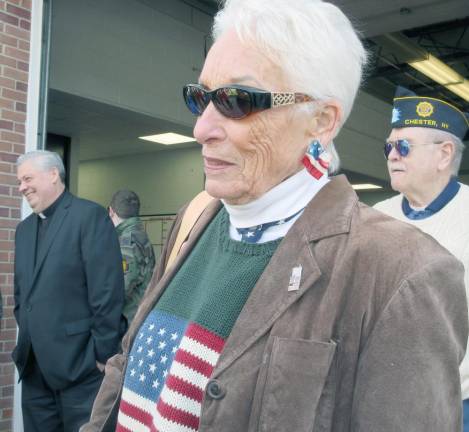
(44, 160)
(312, 41)
(438, 135)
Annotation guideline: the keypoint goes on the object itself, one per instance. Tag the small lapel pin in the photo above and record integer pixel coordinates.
(295, 278)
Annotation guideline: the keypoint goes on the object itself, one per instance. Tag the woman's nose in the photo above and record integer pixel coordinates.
(209, 126)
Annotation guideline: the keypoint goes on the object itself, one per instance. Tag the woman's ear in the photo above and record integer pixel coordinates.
(325, 122)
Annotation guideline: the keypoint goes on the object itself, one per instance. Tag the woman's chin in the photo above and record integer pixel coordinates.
(229, 191)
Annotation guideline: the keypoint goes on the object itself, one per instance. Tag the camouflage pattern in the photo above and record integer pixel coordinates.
(138, 262)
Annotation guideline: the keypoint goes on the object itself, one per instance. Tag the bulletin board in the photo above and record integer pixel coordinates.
(157, 228)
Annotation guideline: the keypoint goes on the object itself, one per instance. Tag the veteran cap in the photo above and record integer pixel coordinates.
(410, 110)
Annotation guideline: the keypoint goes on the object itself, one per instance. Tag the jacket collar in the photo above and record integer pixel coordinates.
(330, 212)
(128, 223)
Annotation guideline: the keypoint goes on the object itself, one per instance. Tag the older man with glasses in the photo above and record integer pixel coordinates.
(424, 153)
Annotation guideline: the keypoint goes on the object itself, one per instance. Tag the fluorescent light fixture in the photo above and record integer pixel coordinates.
(168, 138)
(440, 72)
(420, 59)
(366, 186)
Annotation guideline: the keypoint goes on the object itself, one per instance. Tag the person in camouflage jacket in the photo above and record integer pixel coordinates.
(138, 257)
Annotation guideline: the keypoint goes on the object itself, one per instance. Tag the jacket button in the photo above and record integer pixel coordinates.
(215, 390)
(29, 307)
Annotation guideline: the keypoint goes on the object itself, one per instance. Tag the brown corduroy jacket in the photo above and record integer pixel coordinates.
(370, 341)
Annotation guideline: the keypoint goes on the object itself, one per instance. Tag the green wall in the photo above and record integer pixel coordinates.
(164, 180)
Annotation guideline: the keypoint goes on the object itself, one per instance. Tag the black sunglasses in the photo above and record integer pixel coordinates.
(402, 146)
(236, 101)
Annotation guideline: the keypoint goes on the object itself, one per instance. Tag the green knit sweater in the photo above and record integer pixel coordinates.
(180, 341)
(215, 281)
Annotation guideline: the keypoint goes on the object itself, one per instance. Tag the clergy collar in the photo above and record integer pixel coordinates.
(446, 195)
(49, 211)
(282, 201)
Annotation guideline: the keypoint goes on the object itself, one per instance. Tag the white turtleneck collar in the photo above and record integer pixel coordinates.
(282, 201)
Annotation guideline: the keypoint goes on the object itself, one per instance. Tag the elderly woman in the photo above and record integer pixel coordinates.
(291, 307)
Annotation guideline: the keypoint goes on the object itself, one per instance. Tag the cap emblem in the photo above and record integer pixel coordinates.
(424, 109)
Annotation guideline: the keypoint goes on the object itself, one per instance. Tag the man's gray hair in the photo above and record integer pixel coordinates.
(313, 43)
(44, 160)
(441, 136)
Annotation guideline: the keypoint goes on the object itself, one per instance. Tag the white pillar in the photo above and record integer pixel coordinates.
(30, 144)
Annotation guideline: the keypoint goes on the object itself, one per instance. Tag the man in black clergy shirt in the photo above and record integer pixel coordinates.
(69, 295)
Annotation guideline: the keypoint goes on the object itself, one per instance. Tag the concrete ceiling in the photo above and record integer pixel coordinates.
(375, 17)
(106, 131)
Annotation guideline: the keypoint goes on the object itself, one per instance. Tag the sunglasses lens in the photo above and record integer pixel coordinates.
(387, 149)
(403, 147)
(196, 99)
(233, 102)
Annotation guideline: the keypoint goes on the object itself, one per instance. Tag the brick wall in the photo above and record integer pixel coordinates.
(15, 20)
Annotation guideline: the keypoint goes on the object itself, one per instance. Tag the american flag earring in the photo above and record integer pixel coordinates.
(316, 160)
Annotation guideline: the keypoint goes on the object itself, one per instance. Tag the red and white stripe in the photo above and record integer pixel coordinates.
(179, 407)
(133, 407)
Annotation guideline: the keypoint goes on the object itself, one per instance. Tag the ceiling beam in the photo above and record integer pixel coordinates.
(437, 28)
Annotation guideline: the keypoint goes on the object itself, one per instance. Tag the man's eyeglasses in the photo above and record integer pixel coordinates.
(402, 146)
(237, 101)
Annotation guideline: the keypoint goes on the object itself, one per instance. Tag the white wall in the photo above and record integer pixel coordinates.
(127, 53)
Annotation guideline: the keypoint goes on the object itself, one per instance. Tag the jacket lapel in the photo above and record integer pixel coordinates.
(51, 234)
(271, 297)
(30, 248)
(328, 214)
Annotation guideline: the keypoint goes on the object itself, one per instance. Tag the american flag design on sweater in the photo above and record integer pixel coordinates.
(168, 369)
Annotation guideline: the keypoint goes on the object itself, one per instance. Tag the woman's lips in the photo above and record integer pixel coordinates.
(213, 164)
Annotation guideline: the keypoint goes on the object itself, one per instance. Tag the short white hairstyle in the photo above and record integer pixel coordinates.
(312, 41)
(438, 135)
(44, 160)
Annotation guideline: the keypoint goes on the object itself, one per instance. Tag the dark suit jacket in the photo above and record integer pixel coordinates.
(68, 306)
